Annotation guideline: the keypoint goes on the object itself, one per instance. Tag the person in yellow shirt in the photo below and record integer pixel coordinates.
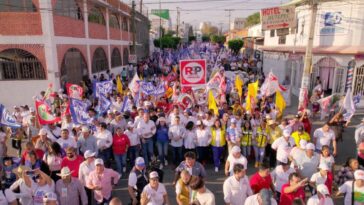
(299, 135)
(274, 132)
(218, 142)
(261, 139)
(246, 139)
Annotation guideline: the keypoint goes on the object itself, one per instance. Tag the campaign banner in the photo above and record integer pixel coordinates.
(74, 91)
(45, 117)
(104, 104)
(148, 88)
(79, 112)
(7, 119)
(103, 88)
(193, 72)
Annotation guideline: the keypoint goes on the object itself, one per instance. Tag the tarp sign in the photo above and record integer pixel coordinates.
(278, 17)
(132, 59)
(193, 72)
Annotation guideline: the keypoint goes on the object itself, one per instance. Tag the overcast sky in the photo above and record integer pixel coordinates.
(196, 11)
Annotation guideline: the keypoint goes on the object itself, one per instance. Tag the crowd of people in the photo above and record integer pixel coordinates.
(70, 164)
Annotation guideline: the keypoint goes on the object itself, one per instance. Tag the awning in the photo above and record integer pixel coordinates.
(349, 50)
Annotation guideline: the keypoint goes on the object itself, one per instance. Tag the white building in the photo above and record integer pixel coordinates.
(238, 24)
(338, 51)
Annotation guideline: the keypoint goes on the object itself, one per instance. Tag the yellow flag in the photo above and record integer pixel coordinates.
(212, 103)
(252, 95)
(239, 85)
(119, 85)
(280, 102)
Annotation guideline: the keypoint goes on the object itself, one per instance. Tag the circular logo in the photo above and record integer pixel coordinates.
(193, 72)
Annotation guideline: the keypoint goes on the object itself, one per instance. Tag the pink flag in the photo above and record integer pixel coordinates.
(74, 91)
(271, 85)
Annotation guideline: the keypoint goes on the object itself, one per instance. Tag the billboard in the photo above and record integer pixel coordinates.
(278, 17)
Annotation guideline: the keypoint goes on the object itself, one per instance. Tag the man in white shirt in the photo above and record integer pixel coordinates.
(264, 197)
(146, 129)
(324, 136)
(237, 188)
(104, 142)
(53, 132)
(347, 189)
(200, 194)
(176, 134)
(66, 141)
(283, 145)
(309, 162)
(322, 197)
(86, 167)
(280, 175)
(174, 114)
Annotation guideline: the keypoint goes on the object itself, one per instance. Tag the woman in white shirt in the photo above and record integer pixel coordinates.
(39, 188)
(155, 192)
(190, 139)
(203, 140)
(54, 159)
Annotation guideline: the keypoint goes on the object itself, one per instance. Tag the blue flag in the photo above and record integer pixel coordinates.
(7, 119)
(103, 88)
(79, 112)
(104, 105)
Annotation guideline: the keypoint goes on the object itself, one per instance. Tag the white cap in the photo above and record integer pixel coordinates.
(89, 154)
(153, 174)
(99, 162)
(322, 188)
(233, 120)
(303, 144)
(235, 149)
(140, 161)
(310, 146)
(42, 131)
(324, 166)
(85, 129)
(130, 124)
(286, 133)
(199, 122)
(284, 159)
(359, 174)
(50, 196)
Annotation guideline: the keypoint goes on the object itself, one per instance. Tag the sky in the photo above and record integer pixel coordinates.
(214, 11)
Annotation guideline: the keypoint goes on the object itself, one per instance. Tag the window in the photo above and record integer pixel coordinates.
(114, 21)
(17, 6)
(272, 33)
(115, 58)
(282, 40)
(124, 25)
(95, 16)
(68, 8)
(125, 56)
(17, 64)
(99, 61)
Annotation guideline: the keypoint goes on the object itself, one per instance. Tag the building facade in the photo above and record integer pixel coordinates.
(46, 42)
(338, 51)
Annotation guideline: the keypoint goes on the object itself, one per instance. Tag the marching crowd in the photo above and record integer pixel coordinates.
(70, 164)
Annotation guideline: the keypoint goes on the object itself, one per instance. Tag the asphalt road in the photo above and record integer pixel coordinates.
(214, 181)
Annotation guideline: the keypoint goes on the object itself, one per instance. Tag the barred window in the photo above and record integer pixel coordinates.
(115, 58)
(68, 8)
(17, 6)
(125, 56)
(95, 16)
(99, 61)
(17, 64)
(114, 21)
(124, 25)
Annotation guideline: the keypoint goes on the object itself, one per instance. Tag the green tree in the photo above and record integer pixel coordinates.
(205, 38)
(235, 45)
(218, 39)
(252, 19)
(191, 38)
(167, 41)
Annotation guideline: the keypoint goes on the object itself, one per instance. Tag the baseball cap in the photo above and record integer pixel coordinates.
(153, 175)
(89, 154)
(286, 133)
(359, 174)
(199, 122)
(85, 129)
(322, 188)
(140, 161)
(303, 144)
(49, 196)
(130, 124)
(99, 162)
(310, 146)
(235, 149)
(324, 166)
(42, 131)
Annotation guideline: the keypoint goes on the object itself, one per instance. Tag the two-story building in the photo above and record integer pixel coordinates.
(57, 41)
(338, 51)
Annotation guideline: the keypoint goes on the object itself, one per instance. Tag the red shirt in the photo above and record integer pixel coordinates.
(307, 125)
(38, 152)
(287, 199)
(119, 144)
(258, 183)
(73, 165)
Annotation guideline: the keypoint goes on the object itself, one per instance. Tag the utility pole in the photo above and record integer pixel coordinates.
(133, 27)
(177, 22)
(229, 26)
(308, 57)
(160, 26)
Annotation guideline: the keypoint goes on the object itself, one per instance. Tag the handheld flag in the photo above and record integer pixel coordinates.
(74, 91)
(7, 119)
(212, 103)
(119, 85)
(44, 115)
(79, 112)
(280, 102)
(104, 104)
(48, 92)
(348, 105)
(239, 85)
(103, 88)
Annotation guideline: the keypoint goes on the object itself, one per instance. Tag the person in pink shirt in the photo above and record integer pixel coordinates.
(293, 190)
(72, 161)
(101, 181)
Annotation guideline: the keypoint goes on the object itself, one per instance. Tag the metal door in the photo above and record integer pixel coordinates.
(358, 82)
(339, 80)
